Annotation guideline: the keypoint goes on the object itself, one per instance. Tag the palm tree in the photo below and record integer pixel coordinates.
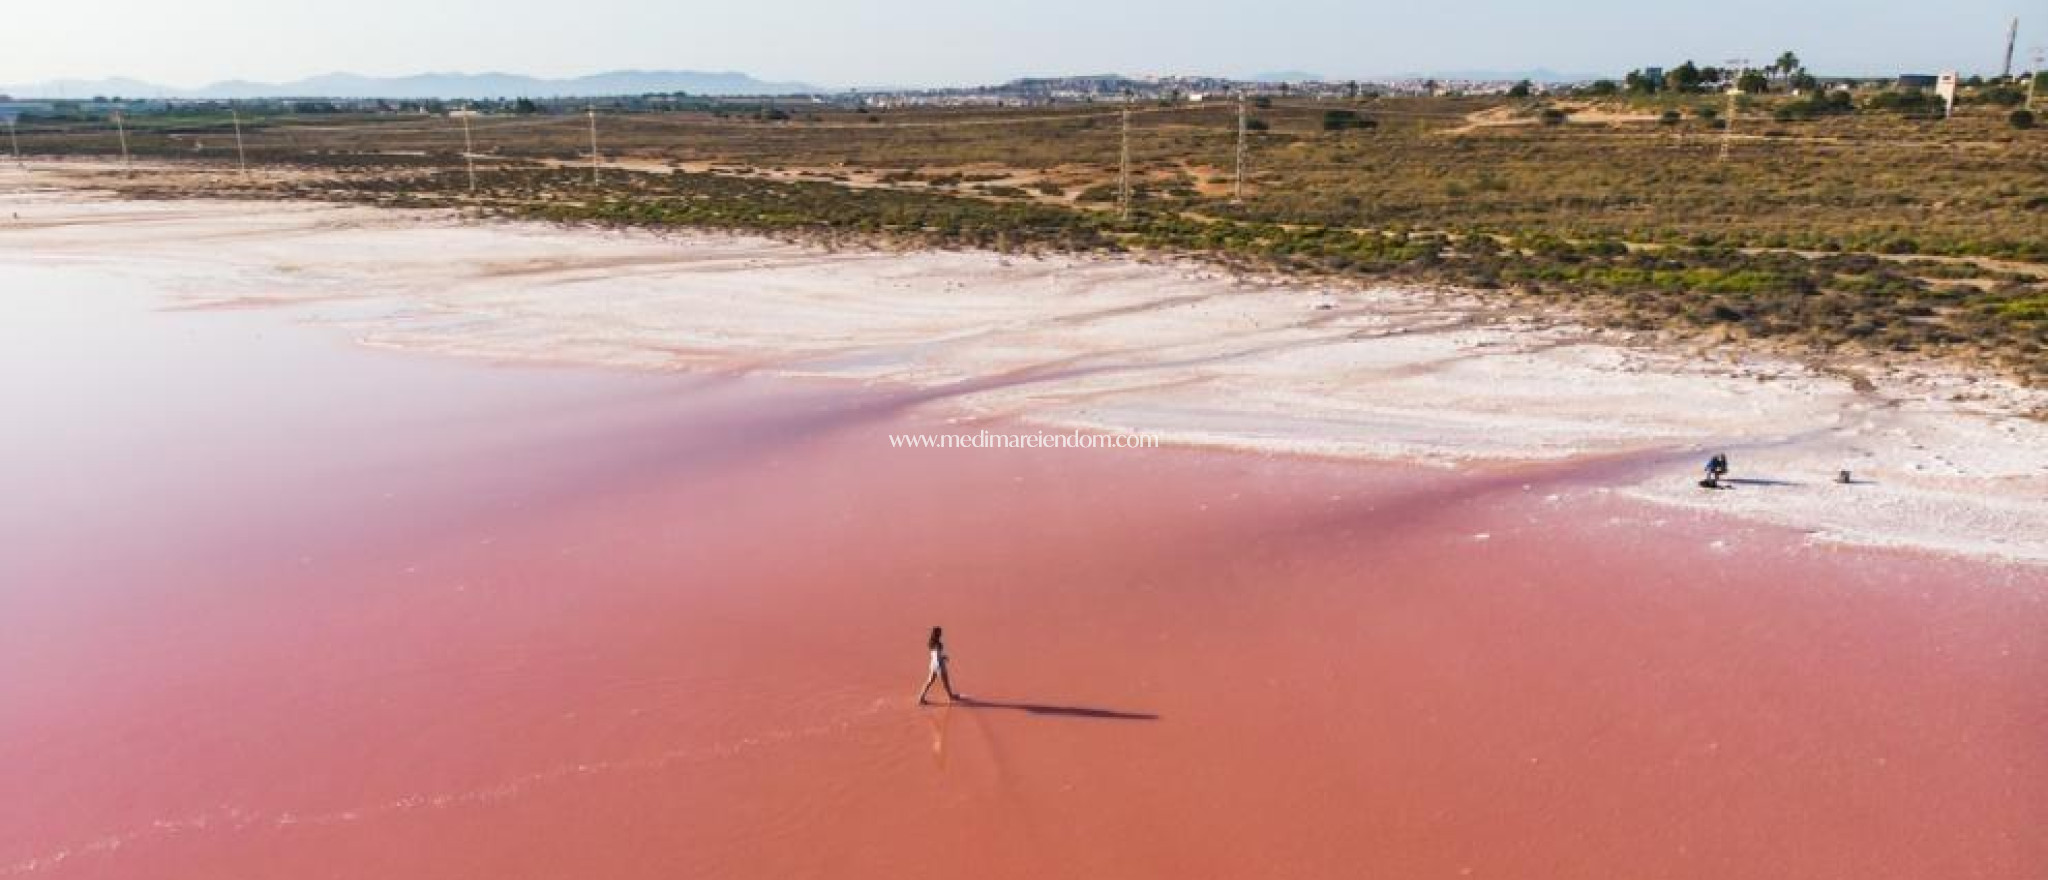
(1787, 63)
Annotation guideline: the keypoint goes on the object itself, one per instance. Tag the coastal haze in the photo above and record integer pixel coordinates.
(426, 85)
(557, 473)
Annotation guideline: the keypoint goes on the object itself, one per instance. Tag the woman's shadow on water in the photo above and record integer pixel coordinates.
(967, 702)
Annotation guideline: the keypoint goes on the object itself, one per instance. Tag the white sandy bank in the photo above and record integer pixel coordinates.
(1945, 463)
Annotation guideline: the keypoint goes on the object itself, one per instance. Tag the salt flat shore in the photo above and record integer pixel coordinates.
(1943, 461)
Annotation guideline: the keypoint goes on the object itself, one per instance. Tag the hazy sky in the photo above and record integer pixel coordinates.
(929, 42)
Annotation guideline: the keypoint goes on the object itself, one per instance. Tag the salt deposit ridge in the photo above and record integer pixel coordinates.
(1943, 462)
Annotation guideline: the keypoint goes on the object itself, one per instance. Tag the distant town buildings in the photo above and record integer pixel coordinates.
(1108, 87)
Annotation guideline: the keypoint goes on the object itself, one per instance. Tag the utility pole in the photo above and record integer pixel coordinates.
(241, 156)
(1739, 66)
(2034, 76)
(14, 140)
(1237, 194)
(592, 110)
(2012, 35)
(122, 130)
(468, 150)
(1123, 174)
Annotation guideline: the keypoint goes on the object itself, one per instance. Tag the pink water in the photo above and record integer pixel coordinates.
(277, 606)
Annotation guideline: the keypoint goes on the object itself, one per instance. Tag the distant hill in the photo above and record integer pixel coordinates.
(429, 85)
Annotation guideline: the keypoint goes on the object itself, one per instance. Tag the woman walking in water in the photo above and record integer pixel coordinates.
(937, 645)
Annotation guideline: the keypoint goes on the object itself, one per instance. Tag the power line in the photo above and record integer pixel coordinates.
(375, 126)
(372, 134)
(379, 126)
(1376, 111)
(949, 123)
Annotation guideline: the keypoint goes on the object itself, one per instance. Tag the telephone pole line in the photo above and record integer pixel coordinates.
(1123, 174)
(1237, 193)
(122, 129)
(1738, 66)
(468, 150)
(592, 109)
(241, 157)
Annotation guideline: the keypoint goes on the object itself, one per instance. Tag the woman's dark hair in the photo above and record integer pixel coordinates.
(933, 642)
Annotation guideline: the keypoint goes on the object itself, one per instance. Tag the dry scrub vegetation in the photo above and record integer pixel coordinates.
(1864, 231)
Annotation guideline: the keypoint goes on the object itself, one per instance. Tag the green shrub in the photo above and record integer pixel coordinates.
(1999, 96)
(1340, 120)
(1098, 193)
(1910, 102)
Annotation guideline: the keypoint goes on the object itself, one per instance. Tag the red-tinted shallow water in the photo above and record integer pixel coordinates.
(278, 607)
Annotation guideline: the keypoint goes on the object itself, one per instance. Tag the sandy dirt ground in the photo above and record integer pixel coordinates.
(1941, 460)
